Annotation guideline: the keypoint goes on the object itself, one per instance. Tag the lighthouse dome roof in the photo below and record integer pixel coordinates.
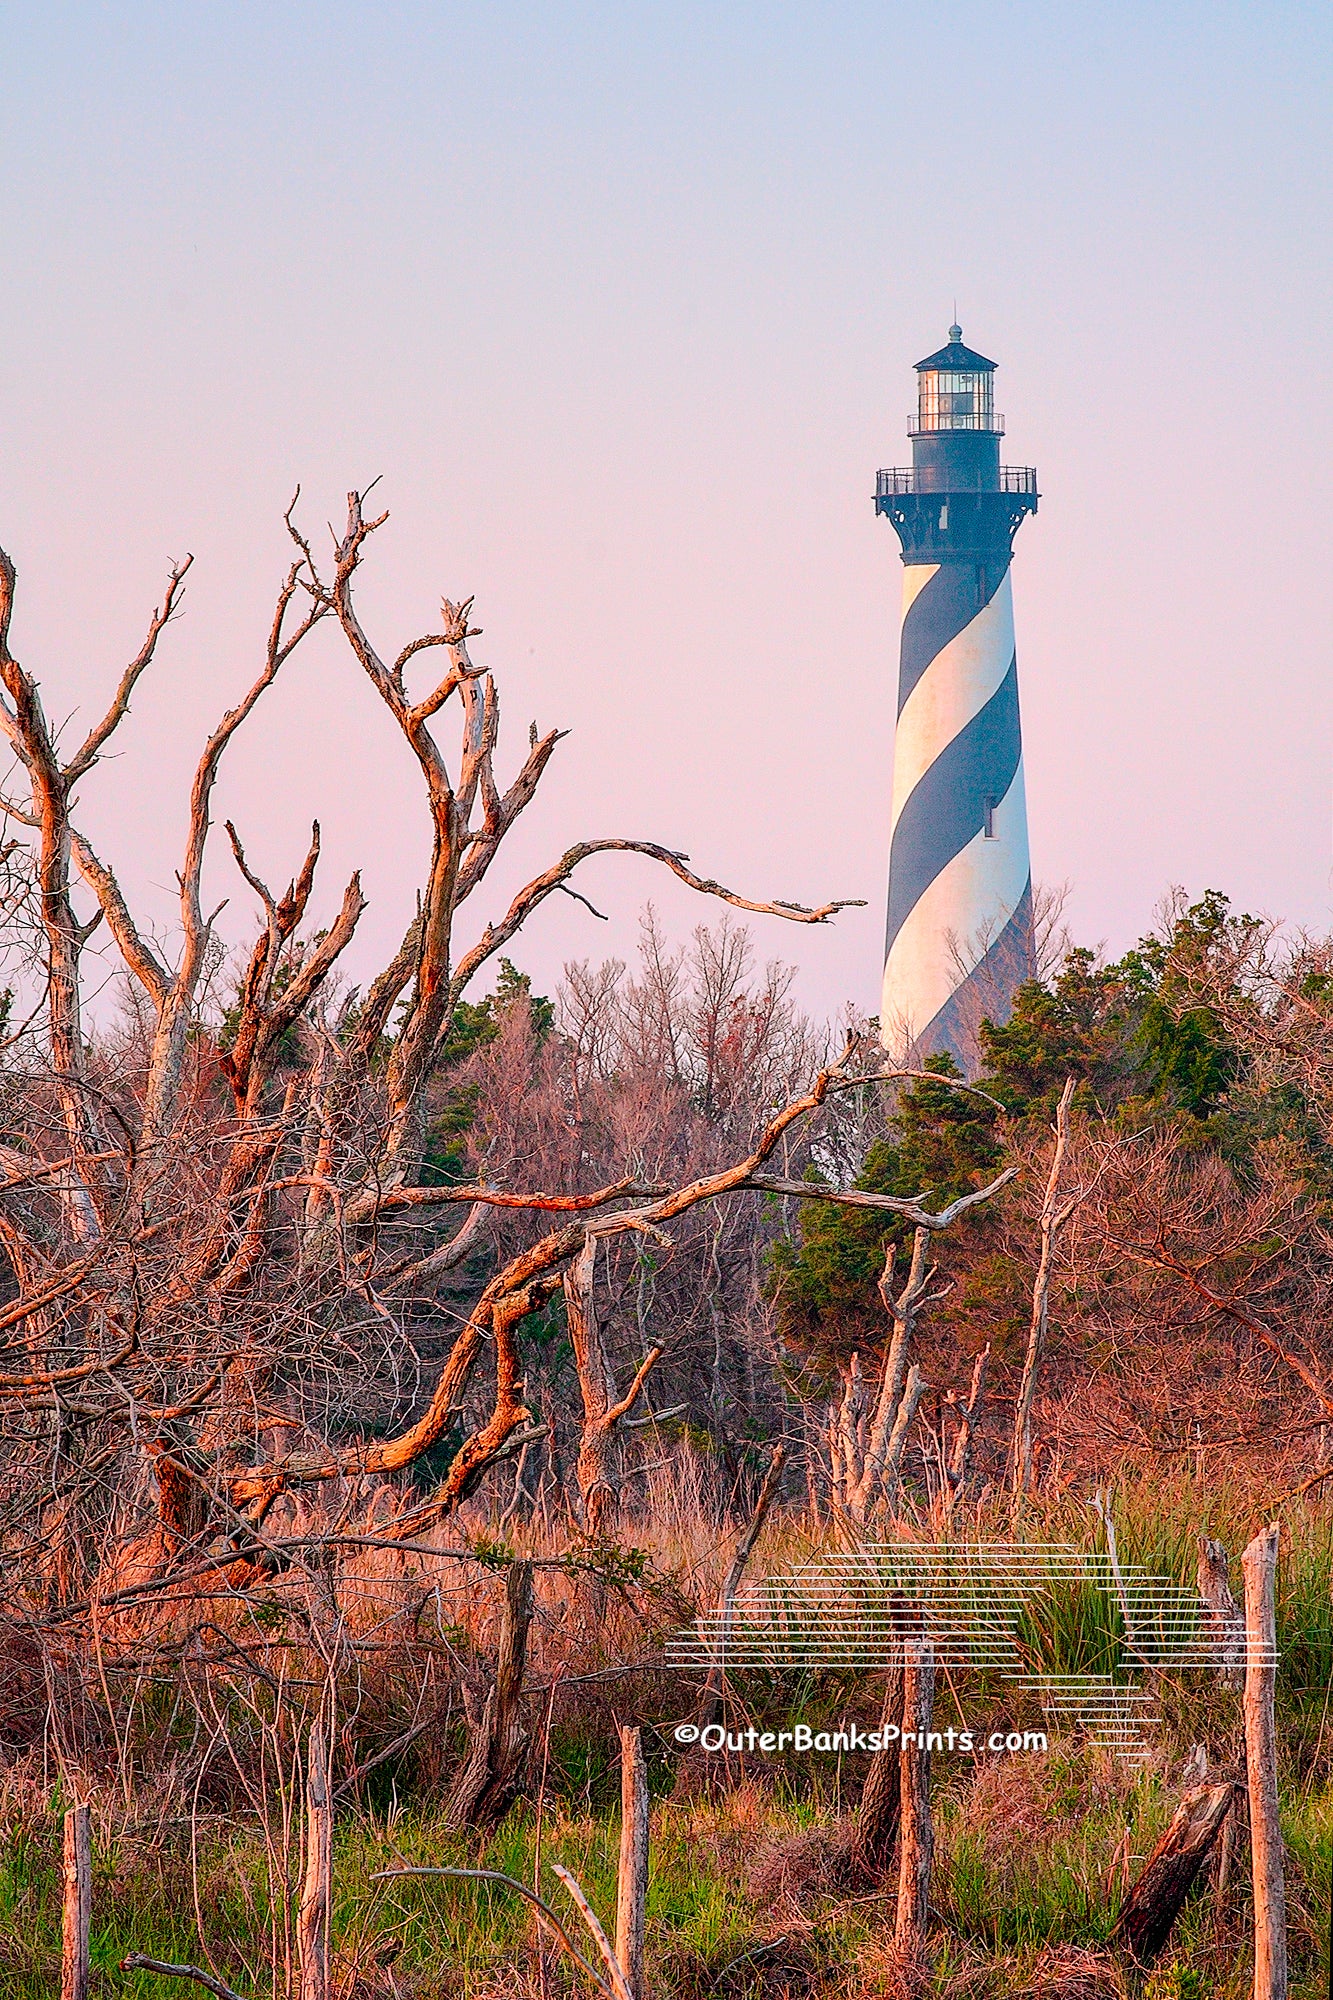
(955, 356)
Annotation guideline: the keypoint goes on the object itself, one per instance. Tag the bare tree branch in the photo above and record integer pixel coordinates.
(86, 756)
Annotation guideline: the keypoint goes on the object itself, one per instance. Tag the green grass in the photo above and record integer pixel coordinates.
(451, 1936)
(1033, 1867)
(1031, 1852)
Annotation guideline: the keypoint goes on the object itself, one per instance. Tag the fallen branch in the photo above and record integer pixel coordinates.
(136, 1962)
(510, 1882)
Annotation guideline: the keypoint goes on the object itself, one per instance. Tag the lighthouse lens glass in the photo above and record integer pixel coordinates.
(955, 400)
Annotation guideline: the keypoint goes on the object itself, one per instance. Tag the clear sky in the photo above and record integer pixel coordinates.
(621, 302)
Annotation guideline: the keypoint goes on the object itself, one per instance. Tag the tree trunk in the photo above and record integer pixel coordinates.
(632, 1877)
(77, 1910)
(875, 1828)
(917, 1842)
(1259, 1564)
(1168, 1875)
(492, 1769)
(312, 1923)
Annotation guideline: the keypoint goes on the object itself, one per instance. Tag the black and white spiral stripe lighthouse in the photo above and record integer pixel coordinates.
(959, 937)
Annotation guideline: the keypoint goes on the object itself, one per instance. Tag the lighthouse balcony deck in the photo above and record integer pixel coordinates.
(899, 479)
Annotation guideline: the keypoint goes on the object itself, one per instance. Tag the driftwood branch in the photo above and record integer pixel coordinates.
(910, 1206)
(534, 894)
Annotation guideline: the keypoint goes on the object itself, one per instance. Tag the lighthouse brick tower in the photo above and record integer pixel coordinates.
(959, 936)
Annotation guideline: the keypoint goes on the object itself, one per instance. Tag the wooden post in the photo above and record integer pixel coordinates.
(312, 1924)
(77, 1913)
(1259, 1564)
(916, 1842)
(632, 1876)
(1168, 1875)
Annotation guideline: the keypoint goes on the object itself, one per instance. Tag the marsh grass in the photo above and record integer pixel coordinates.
(1033, 1853)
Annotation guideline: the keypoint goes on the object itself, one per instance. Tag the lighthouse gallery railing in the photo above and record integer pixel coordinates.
(903, 479)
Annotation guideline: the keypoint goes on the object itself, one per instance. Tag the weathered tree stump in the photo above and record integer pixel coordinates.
(875, 1827)
(1225, 1620)
(1168, 1875)
(492, 1769)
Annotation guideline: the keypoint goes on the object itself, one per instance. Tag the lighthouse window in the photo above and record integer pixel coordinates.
(990, 832)
(955, 399)
(958, 394)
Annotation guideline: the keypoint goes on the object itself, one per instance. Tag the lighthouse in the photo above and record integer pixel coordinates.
(959, 936)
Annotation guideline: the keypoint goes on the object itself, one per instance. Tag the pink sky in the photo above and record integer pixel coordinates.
(622, 305)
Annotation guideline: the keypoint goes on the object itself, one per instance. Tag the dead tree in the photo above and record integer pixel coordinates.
(174, 992)
(233, 1222)
(305, 1193)
(1055, 1212)
(868, 1428)
(51, 782)
(968, 1414)
(462, 852)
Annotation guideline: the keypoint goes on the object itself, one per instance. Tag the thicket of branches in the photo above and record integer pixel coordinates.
(273, 1266)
